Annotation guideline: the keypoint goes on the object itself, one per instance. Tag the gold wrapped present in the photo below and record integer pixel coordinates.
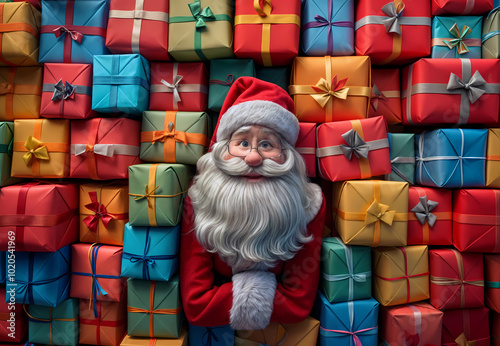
(182, 340)
(20, 92)
(493, 159)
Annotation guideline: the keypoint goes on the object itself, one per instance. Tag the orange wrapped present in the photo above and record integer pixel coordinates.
(493, 159)
(492, 281)
(108, 328)
(326, 89)
(385, 98)
(182, 340)
(41, 148)
(20, 92)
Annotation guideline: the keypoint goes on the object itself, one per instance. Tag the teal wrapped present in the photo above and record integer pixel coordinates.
(223, 73)
(154, 308)
(346, 271)
(150, 253)
(121, 84)
(402, 150)
(6, 143)
(279, 75)
(54, 326)
(456, 37)
(213, 336)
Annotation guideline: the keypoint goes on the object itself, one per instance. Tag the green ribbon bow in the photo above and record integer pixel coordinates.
(459, 40)
(201, 15)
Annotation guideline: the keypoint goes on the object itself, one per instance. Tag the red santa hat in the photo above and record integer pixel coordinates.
(251, 101)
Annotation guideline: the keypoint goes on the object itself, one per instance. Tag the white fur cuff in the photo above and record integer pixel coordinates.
(253, 297)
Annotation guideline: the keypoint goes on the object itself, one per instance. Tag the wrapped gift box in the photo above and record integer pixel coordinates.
(279, 75)
(457, 279)
(429, 216)
(451, 158)
(150, 253)
(54, 326)
(200, 29)
(178, 86)
(385, 98)
(174, 137)
(138, 26)
(490, 40)
(475, 220)
(3, 267)
(43, 215)
(104, 148)
(465, 327)
(160, 315)
(13, 323)
(306, 146)
(182, 340)
(103, 212)
(223, 73)
(461, 7)
(156, 193)
(402, 151)
(456, 37)
(67, 91)
(215, 336)
(358, 204)
(360, 147)
(433, 91)
(95, 273)
(326, 89)
(42, 278)
(267, 32)
(327, 27)
(412, 324)
(346, 271)
(21, 28)
(345, 323)
(6, 146)
(20, 92)
(121, 84)
(108, 328)
(41, 148)
(73, 31)
(403, 39)
(35, 3)
(401, 274)
(495, 328)
(492, 281)
(493, 158)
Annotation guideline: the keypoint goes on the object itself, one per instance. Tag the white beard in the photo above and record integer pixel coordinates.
(251, 224)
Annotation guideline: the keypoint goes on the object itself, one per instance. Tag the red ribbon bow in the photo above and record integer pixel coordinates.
(99, 210)
(75, 35)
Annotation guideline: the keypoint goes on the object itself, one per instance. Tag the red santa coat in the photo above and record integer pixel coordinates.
(207, 303)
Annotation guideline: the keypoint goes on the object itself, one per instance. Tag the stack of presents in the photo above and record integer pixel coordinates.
(106, 106)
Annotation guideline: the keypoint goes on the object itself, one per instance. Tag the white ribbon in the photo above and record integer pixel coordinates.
(174, 86)
(107, 150)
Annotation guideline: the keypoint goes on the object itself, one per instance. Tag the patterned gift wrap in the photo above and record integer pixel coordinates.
(402, 151)
(385, 98)
(108, 328)
(461, 7)
(490, 40)
(10, 316)
(492, 281)
(465, 327)
(306, 146)
(456, 37)
(493, 158)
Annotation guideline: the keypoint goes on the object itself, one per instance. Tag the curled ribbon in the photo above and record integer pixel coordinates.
(148, 195)
(63, 91)
(229, 80)
(392, 23)
(201, 15)
(174, 86)
(461, 340)
(75, 35)
(162, 136)
(458, 41)
(379, 212)
(475, 87)
(376, 96)
(36, 149)
(100, 212)
(423, 211)
(326, 90)
(355, 144)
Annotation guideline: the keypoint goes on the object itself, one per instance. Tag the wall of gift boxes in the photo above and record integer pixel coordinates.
(403, 95)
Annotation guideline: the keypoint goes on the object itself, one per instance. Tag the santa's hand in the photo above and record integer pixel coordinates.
(253, 296)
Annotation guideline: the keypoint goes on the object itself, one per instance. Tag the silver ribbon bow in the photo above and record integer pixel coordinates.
(355, 144)
(62, 91)
(174, 86)
(392, 23)
(475, 87)
(423, 211)
(99, 149)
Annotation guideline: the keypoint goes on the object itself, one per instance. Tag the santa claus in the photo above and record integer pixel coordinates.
(252, 222)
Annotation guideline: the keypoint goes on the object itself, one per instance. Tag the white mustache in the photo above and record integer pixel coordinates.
(238, 167)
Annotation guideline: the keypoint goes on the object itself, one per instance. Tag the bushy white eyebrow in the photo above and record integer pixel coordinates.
(264, 130)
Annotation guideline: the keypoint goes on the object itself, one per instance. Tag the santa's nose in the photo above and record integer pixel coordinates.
(253, 158)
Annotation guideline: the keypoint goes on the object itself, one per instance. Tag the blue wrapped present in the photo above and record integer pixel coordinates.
(150, 253)
(3, 266)
(121, 84)
(347, 323)
(402, 150)
(457, 37)
(451, 158)
(327, 27)
(210, 336)
(73, 31)
(43, 278)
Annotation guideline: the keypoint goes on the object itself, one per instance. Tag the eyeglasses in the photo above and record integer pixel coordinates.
(266, 148)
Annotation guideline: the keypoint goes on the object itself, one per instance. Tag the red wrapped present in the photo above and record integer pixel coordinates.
(465, 327)
(306, 146)
(492, 281)
(108, 328)
(461, 7)
(434, 91)
(139, 26)
(178, 87)
(495, 328)
(390, 35)
(43, 216)
(457, 279)
(104, 148)
(13, 323)
(267, 31)
(429, 216)
(67, 91)
(476, 220)
(385, 98)
(360, 147)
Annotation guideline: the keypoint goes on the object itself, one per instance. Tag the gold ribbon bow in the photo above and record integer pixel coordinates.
(458, 41)
(378, 211)
(36, 149)
(326, 90)
(461, 340)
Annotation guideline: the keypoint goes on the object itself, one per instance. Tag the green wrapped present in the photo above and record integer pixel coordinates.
(154, 308)
(6, 141)
(175, 137)
(402, 150)
(156, 193)
(278, 75)
(223, 73)
(54, 326)
(200, 29)
(346, 271)
(490, 41)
